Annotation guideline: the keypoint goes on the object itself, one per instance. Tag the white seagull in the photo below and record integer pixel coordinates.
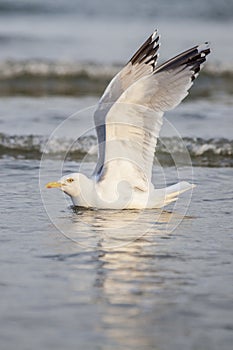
(128, 120)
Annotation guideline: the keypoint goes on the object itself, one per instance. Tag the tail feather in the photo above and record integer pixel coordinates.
(165, 196)
(172, 192)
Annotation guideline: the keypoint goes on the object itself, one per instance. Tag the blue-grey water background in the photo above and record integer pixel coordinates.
(169, 289)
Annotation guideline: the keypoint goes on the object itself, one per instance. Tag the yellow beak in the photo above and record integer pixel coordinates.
(53, 185)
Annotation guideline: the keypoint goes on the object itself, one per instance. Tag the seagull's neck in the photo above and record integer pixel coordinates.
(86, 189)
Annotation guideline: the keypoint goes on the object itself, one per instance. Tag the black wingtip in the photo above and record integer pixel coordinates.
(197, 60)
(147, 53)
(205, 48)
(191, 59)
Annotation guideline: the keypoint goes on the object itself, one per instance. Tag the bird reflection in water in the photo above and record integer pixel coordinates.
(114, 228)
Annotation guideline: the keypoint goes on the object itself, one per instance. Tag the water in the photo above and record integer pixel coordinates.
(165, 290)
(112, 279)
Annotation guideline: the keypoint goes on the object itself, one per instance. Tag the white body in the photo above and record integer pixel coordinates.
(88, 193)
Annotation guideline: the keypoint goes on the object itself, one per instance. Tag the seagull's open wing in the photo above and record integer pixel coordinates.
(142, 63)
(134, 121)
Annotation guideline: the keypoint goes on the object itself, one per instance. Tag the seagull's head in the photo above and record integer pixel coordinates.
(70, 184)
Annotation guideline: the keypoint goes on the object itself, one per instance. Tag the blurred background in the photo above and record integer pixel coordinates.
(56, 43)
(65, 52)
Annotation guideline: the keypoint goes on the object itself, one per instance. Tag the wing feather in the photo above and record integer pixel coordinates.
(133, 123)
(142, 63)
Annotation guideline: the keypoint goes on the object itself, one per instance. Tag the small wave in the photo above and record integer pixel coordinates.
(209, 153)
(35, 77)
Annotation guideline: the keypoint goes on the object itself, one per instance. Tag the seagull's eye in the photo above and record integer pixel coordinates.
(70, 180)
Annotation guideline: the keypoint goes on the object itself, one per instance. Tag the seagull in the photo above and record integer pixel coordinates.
(128, 120)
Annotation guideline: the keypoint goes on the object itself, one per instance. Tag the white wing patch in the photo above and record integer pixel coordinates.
(141, 64)
(133, 123)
